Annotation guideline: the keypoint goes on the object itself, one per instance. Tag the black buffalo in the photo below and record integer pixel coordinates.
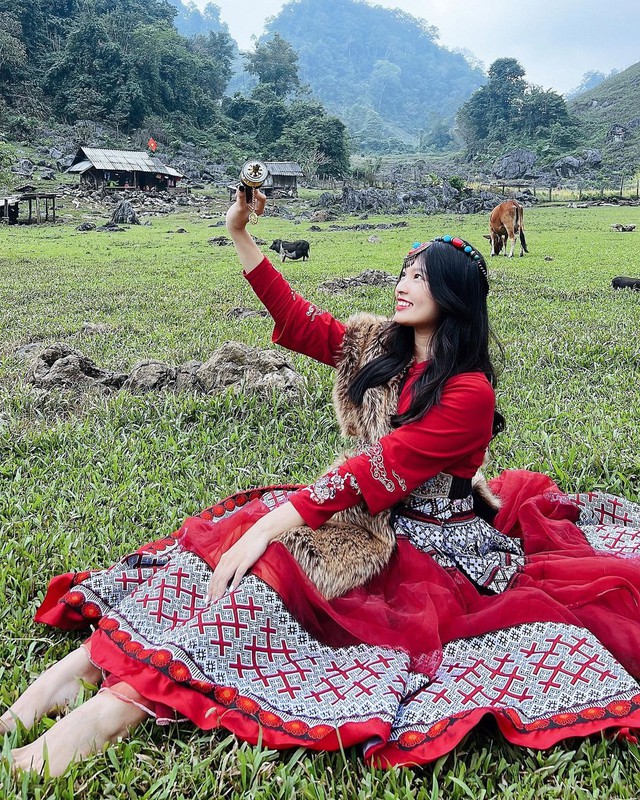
(292, 250)
(626, 283)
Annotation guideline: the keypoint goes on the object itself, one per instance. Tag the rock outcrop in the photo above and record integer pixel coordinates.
(233, 365)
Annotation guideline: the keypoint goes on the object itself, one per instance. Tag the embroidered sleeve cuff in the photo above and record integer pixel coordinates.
(333, 492)
(381, 486)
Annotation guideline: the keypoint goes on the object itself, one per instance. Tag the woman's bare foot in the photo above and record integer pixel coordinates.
(55, 688)
(102, 719)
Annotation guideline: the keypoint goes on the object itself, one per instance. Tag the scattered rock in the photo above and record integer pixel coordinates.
(569, 166)
(150, 375)
(315, 228)
(592, 157)
(124, 214)
(233, 365)
(86, 226)
(110, 228)
(320, 216)
(515, 164)
(548, 258)
(238, 364)
(368, 226)
(61, 366)
(187, 377)
(370, 277)
(374, 239)
(24, 167)
(220, 241)
(479, 202)
(623, 228)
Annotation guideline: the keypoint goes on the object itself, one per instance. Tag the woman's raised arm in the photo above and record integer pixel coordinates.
(299, 325)
(236, 221)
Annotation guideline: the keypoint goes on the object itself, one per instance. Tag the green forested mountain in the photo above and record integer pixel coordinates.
(381, 71)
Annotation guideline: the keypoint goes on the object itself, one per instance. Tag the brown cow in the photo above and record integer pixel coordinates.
(505, 221)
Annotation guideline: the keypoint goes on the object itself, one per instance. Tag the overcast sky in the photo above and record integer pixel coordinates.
(556, 41)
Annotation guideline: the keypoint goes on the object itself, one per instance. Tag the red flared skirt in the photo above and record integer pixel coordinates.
(406, 665)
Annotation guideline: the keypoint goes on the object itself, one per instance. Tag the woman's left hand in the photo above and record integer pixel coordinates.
(236, 562)
(241, 556)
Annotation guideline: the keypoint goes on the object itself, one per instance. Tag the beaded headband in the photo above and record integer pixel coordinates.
(459, 244)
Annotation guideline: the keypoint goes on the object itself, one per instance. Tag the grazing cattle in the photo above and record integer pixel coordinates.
(626, 283)
(505, 222)
(292, 250)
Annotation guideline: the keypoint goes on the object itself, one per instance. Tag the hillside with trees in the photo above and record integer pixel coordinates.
(123, 64)
(509, 112)
(609, 117)
(118, 61)
(380, 70)
(323, 68)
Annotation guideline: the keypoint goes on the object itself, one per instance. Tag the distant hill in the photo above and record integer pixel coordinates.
(589, 81)
(380, 70)
(190, 21)
(609, 116)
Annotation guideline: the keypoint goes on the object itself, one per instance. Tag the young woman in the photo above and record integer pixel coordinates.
(373, 606)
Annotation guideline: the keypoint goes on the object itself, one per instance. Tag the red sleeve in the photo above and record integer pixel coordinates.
(334, 491)
(451, 437)
(299, 325)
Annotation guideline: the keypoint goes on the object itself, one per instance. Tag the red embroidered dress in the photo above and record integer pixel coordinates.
(534, 621)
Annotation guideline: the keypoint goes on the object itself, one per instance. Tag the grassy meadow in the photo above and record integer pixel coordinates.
(86, 478)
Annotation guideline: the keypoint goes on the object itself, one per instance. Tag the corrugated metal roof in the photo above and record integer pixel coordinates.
(120, 161)
(284, 168)
(81, 166)
(166, 170)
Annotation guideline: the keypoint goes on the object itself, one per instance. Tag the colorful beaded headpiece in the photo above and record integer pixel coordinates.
(459, 244)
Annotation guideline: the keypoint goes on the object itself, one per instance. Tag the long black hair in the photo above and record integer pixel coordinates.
(460, 342)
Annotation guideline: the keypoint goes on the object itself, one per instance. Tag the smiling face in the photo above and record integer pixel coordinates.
(415, 307)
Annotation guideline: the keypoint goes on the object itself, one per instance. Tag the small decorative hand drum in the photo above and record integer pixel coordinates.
(253, 174)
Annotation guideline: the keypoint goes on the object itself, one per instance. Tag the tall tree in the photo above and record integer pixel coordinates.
(275, 63)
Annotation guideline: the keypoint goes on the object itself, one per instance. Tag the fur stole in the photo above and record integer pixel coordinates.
(354, 545)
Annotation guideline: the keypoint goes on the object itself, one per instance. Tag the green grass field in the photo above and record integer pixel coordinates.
(86, 478)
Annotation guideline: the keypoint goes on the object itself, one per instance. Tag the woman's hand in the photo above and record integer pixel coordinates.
(237, 218)
(241, 556)
(236, 562)
(238, 213)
